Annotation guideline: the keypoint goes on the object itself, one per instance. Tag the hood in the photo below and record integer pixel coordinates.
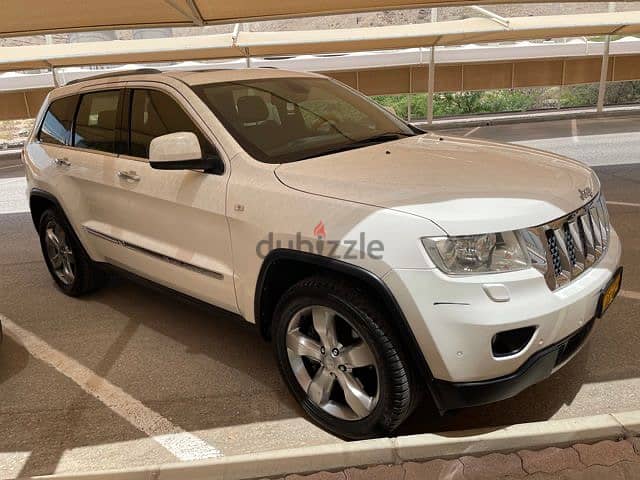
(465, 186)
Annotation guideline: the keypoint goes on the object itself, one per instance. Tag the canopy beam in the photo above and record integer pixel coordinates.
(192, 14)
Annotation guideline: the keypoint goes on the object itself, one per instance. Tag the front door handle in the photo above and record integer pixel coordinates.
(62, 162)
(131, 176)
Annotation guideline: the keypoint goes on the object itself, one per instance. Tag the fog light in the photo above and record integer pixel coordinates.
(511, 342)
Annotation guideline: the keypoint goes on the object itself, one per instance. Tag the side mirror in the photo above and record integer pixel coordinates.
(180, 151)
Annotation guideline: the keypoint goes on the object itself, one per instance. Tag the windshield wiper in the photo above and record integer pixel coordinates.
(385, 137)
(379, 138)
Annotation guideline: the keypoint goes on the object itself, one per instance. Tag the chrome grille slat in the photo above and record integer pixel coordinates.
(597, 231)
(563, 253)
(602, 223)
(574, 243)
(590, 249)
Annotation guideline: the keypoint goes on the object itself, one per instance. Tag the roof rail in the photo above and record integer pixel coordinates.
(120, 73)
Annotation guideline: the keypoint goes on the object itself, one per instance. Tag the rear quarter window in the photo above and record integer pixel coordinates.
(56, 126)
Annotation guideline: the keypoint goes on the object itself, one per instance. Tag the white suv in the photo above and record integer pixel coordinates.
(381, 261)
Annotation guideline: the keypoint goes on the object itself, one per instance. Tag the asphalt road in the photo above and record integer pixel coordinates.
(121, 377)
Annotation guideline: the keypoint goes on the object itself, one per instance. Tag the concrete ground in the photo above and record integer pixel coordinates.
(128, 376)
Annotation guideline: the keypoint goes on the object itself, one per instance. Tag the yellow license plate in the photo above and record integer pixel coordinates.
(609, 293)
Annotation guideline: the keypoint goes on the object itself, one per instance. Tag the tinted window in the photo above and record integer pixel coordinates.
(96, 121)
(56, 127)
(154, 114)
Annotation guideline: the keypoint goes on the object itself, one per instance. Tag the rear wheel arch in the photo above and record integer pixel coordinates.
(283, 268)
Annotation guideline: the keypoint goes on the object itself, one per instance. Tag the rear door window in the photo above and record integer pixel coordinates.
(97, 120)
(56, 126)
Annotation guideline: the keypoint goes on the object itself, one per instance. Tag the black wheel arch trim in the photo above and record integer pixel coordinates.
(373, 281)
(37, 193)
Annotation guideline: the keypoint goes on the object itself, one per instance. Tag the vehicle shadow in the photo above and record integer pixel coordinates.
(222, 373)
(236, 345)
(204, 369)
(538, 403)
(13, 359)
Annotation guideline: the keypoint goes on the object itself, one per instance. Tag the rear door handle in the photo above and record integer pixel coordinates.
(62, 162)
(132, 176)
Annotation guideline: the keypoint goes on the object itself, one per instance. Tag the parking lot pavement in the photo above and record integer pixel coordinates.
(596, 141)
(117, 379)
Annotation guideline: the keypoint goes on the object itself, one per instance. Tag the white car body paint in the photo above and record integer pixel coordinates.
(395, 192)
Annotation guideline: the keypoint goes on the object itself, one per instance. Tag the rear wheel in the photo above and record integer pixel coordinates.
(340, 359)
(69, 265)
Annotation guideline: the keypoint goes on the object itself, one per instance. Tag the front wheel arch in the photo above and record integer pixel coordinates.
(283, 268)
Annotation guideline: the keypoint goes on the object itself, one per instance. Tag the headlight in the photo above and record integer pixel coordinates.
(487, 253)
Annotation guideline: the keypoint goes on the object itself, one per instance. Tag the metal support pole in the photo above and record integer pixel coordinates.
(604, 68)
(492, 16)
(432, 72)
(56, 80)
(236, 31)
(604, 71)
(239, 27)
(409, 97)
(26, 104)
(431, 86)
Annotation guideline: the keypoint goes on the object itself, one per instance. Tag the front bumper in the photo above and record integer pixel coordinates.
(452, 396)
(454, 320)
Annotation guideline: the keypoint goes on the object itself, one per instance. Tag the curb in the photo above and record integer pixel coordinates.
(424, 447)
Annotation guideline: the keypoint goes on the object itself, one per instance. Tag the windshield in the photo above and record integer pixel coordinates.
(281, 120)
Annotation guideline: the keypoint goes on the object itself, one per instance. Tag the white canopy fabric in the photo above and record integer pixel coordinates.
(457, 32)
(20, 17)
(472, 30)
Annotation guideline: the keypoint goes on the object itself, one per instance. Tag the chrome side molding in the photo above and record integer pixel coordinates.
(152, 253)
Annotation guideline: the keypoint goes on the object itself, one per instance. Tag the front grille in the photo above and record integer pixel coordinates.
(572, 244)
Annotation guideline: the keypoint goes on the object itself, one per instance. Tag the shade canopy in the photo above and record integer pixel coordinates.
(51, 16)
(456, 32)
(211, 47)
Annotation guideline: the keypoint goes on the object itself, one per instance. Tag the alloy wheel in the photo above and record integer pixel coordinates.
(333, 363)
(60, 253)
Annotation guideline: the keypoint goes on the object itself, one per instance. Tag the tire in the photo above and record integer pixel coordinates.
(72, 269)
(384, 391)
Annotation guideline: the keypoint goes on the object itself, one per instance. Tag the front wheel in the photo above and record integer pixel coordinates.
(341, 360)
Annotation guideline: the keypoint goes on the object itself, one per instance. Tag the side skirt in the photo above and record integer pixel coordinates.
(182, 297)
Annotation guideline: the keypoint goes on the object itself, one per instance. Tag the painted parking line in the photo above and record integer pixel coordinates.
(183, 445)
(11, 166)
(471, 132)
(624, 204)
(574, 131)
(629, 294)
